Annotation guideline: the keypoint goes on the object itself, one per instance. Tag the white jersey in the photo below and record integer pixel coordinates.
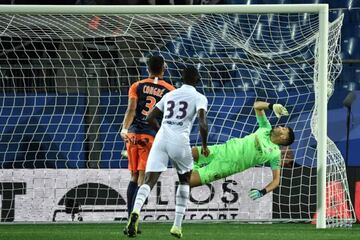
(180, 108)
(172, 142)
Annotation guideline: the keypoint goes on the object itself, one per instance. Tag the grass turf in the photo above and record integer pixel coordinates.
(221, 231)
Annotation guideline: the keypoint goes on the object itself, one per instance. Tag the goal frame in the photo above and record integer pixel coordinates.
(321, 9)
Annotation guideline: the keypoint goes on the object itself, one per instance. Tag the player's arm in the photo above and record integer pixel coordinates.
(256, 193)
(203, 131)
(261, 106)
(130, 111)
(154, 114)
(275, 181)
(129, 117)
(201, 107)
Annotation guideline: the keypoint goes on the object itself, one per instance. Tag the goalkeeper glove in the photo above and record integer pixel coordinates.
(279, 110)
(255, 193)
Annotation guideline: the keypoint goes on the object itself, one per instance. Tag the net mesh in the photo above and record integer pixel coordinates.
(64, 83)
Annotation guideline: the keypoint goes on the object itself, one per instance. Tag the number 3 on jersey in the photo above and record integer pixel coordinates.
(150, 103)
(181, 113)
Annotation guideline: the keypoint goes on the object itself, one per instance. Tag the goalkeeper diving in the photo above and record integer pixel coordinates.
(238, 154)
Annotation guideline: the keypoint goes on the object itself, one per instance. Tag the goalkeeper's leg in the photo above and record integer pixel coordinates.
(199, 159)
(203, 165)
(195, 179)
(216, 169)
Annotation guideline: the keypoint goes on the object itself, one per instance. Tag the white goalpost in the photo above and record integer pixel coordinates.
(65, 72)
(322, 122)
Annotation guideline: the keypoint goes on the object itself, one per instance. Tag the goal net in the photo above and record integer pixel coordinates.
(64, 91)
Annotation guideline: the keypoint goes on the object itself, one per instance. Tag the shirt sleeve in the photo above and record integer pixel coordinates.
(161, 103)
(275, 162)
(202, 103)
(263, 121)
(133, 90)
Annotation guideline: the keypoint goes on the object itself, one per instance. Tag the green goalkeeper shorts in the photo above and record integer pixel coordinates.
(215, 166)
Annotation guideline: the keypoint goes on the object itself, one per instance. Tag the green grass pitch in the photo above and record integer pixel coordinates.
(212, 231)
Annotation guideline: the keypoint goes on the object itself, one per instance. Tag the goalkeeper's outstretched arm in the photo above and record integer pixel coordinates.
(255, 193)
(275, 182)
(278, 109)
(260, 106)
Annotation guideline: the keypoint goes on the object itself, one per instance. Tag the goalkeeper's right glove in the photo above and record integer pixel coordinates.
(279, 110)
(255, 193)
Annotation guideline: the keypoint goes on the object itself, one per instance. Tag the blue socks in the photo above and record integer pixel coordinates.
(131, 195)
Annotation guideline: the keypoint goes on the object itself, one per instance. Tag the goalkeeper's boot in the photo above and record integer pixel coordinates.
(132, 226)
(176, 231)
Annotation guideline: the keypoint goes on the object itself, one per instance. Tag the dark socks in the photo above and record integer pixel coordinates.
(131, 195)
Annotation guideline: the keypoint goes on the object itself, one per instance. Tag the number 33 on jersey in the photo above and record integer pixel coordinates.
(180, 108)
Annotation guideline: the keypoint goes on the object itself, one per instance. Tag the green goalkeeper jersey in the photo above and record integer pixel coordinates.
(239, 154)
(254, 149)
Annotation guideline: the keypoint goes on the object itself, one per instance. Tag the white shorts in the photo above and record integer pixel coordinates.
(163, 151)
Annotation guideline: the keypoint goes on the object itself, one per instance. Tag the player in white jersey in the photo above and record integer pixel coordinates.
(179, 108)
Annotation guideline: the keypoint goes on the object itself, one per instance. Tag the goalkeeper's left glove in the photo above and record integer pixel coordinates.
(279, 110)
(255, 193)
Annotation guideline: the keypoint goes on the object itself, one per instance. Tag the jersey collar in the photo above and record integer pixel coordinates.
(188, 86)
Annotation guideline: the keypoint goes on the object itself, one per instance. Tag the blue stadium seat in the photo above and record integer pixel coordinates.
(187, 47)
(215, 84)
(355, 4)
(179, 47)
(346, 15)
(335, 13)
(350, 48)
(338, 4)
(356, 75)
(349, 4)
(354, 16)
(354, 48)
(344, 45)
(356, 30)
(347, 74)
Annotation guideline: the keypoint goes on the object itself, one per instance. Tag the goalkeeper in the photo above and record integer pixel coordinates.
(239, 154)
